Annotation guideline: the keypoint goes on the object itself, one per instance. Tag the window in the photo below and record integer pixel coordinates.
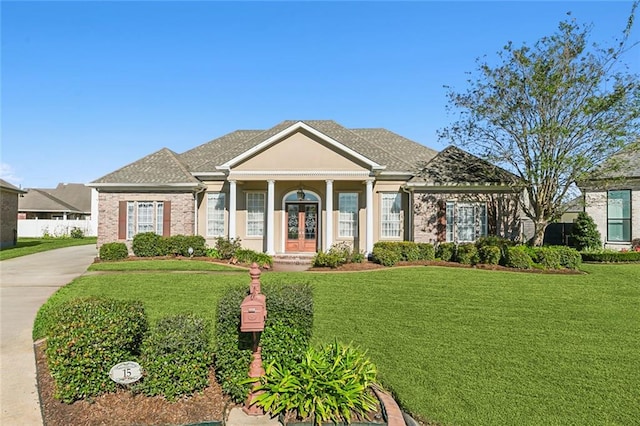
(144, 216)
(619, 216)
(390, 215)
(466, 222)
(255, 214)
(348, 214)
(215, 214)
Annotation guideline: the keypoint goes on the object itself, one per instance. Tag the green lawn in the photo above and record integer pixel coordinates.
(164, 265)
(456, 346)
(27, 246)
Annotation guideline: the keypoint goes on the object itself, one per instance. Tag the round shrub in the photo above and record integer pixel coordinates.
(547, 257)
(114, 251)
(446, 251)
(489, 255)
(86, 338)
(427, 251)
(327, 259)
(147, 244)
(518, 257)
(385, 256)
(570, 258)
(176, 357)
(467, 254)
(76, 232)
(178, 245)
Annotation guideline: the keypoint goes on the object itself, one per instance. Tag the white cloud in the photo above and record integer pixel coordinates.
(7, 173)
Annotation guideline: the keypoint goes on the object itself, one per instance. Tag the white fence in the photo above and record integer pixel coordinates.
(37, 228)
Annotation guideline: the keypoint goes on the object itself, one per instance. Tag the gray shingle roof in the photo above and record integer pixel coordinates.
(161, 167)
(40, 200)
(69, 197)
(8, 187)
(455, 166)
(624, 164)
(164, 167)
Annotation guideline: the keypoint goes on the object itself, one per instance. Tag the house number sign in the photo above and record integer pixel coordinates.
(126, 372)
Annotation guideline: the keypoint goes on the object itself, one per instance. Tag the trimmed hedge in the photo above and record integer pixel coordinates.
(518, 257)
(250, 256)
(147, 244)
(385, 256)
(114, 251)
(86, 338)
(446, 251)
(467, 254)
(547, 257)
(388, 253)
(490, 255)
(178, 245)
(176, 357)
(614, 257)
(285, 339)
(427, 251)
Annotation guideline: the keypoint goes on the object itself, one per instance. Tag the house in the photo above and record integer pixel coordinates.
(9, 195)
(612, 198)
(66, 201)
(302, 186)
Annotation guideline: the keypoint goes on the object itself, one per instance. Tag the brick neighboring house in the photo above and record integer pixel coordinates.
(302, 186)
(612, 198)
(66, 201)
(9, 195)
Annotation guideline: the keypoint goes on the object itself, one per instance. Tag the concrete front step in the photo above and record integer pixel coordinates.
(294, 258)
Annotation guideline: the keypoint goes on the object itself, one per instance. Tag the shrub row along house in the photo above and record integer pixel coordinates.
(303, 186)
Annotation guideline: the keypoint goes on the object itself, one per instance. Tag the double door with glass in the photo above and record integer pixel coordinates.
(302, 227)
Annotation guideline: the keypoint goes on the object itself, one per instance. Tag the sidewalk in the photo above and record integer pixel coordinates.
(25, 284)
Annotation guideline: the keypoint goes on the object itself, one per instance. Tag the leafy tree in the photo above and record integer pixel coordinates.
(549, 113)
(585, 233)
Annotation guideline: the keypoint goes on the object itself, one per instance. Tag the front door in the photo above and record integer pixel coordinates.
(302, 227)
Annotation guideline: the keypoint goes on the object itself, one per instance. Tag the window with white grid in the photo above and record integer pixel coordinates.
(466, 222)
(348, 214)
(144, 216)
(255, 214)
(390, 213)
(215, 214)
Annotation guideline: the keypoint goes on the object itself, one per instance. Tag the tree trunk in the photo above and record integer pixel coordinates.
(538, 234)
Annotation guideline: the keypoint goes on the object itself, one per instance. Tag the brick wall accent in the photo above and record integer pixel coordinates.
(8, 218)
(502, 214)
(182, 212)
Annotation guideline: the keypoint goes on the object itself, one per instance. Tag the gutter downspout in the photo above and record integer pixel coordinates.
(195, 209)
(410, 213)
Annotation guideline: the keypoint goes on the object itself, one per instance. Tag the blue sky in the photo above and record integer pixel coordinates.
(88, 87)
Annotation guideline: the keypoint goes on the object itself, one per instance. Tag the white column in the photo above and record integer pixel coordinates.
(232, 209)
(369, 221)
(329, 221)
(270, 221)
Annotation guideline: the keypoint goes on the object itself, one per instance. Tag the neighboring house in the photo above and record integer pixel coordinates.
(9, 195)
(67, 201)
(302, 186)
(612, 198)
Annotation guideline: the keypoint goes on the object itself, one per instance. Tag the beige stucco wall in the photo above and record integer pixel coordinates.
(502, 213)
(8, 217)
(299, 152)
(182, 212)
(318, 187)
(596, 207)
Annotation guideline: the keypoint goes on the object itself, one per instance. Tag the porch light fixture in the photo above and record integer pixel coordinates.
(300, 194)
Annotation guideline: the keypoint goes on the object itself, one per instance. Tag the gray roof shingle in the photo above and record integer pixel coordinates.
(624, 164)
(455, 166)
(381, 146)
(161, 167)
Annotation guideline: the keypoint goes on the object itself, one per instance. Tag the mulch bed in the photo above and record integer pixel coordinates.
(123, 408)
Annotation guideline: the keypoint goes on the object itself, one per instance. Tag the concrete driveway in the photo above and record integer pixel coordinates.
(25, 284)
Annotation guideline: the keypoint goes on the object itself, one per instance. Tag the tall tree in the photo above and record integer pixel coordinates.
(549, 113)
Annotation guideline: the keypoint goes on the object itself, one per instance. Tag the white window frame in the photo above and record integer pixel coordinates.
(255, 218)
(478, 221)
(215, 215)
(151, 219)
(390, 222)
(347, 214)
